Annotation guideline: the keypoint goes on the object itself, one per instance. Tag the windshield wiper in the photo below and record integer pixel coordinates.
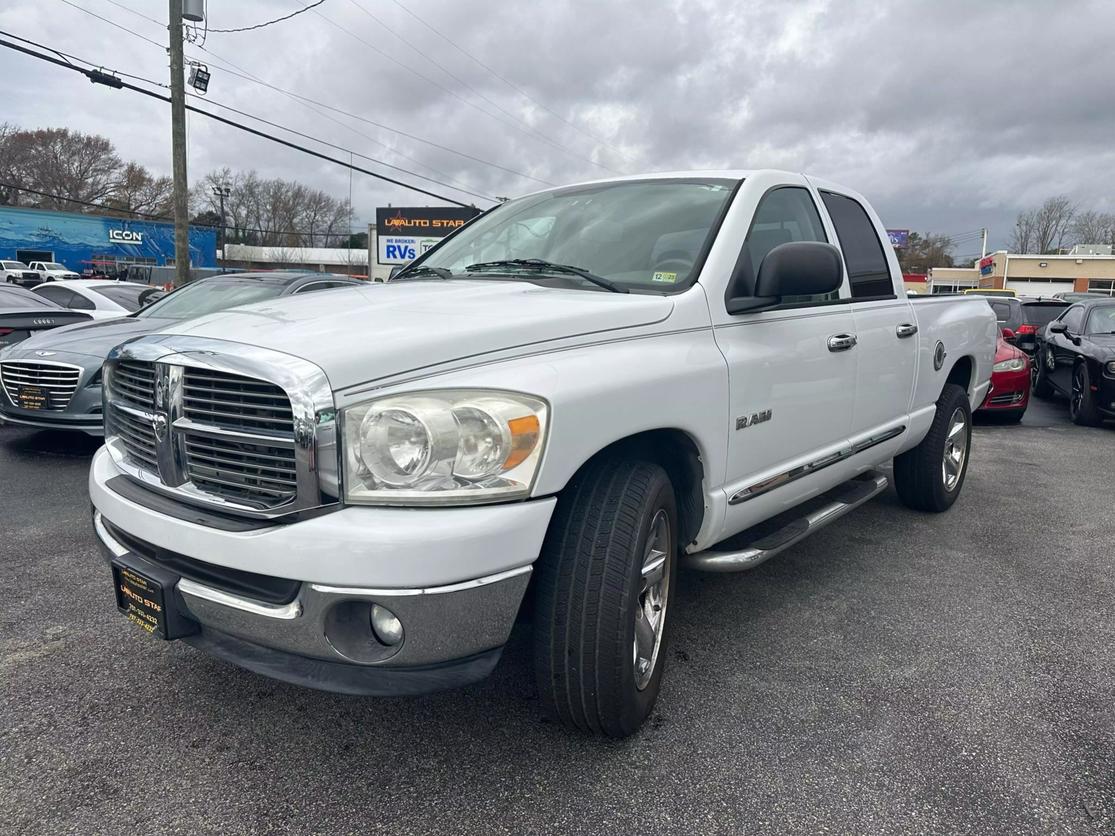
(421, 270)
(547, 267)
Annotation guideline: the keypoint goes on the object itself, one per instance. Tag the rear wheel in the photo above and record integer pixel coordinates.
(1082, 401)
(930, 476)
(604, 583)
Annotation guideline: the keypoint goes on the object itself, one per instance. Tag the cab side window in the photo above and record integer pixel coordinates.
(784, 214)
(864, 256)
(1073, 319)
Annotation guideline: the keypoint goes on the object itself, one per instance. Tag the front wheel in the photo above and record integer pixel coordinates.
(1082, 401)
(604, 584)
(929, 477)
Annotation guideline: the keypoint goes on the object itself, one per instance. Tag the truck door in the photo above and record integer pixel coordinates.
(885, 326)
(791, 377)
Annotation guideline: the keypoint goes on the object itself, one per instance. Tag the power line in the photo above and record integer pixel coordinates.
(308, 102)
(267, 122)
(509, 83)
(114, 23)
(269, 22)
(97, 76)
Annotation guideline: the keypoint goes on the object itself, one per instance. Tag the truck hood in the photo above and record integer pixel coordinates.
(365, 333)
(95, 339)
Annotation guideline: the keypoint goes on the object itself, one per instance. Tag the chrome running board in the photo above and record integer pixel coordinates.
(840, 501)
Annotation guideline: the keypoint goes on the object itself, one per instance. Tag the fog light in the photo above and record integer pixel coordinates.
(388, 628)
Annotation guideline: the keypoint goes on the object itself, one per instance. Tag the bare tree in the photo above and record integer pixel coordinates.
(1092, 227)
(1051, 224)
(138, 191)
(1022, 237)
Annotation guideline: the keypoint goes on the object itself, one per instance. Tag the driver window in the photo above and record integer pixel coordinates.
(1073, 319)
(783, 215)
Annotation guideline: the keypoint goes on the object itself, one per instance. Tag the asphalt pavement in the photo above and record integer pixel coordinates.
(897, 673)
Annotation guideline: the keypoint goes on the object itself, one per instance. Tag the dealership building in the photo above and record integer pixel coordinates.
(82, 242)
(1087, 268)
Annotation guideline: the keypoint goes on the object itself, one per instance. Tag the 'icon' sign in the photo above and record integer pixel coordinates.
(125, 236)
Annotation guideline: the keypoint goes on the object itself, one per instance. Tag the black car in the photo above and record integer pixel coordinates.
(1076, 357)
(23, 313)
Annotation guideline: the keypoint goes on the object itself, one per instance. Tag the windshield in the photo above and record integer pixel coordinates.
(207, 296)
(14, 265)
(53, 265)
(649, 234)
(1102, 320)
(125, 295)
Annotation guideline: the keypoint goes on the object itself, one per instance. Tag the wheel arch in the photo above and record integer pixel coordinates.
(677, 452)
(961, 373)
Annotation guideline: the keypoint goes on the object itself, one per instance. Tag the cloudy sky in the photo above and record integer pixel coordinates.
(949, 115)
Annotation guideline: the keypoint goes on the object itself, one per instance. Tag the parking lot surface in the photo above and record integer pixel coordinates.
(896, 673)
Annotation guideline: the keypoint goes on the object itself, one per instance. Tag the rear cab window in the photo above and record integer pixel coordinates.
(864, 256)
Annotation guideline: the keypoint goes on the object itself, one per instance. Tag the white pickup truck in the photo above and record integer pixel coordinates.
(548, 413)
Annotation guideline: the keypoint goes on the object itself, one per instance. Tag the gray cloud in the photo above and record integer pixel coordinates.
(949, 115)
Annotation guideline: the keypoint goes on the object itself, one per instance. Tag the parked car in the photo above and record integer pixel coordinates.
(23, 314)
(52, 271)
(101, 299)
(353, 493)
(1081, 296)
(1076, 358)
(16, 272)
(1010, 383)
(69, 359)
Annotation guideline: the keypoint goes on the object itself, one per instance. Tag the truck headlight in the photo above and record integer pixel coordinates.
(449, 447)
(1015, 364)
(1110, 367)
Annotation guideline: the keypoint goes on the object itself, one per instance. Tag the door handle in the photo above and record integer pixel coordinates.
(906, 329)
(842, 342)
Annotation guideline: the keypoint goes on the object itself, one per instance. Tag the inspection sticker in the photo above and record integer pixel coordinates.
(666, 278)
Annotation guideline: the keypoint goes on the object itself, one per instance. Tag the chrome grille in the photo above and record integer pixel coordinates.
(57, 381)
(229, 436)
(138, 437)
(134, 383)
(240, 403)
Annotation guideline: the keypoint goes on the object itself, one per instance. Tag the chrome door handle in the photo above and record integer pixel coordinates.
(842, 342)
(906, 329)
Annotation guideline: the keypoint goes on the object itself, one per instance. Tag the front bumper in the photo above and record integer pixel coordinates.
(454, 578)
(1009, 391)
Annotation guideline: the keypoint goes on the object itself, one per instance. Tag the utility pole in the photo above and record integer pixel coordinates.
(178, 148)
(983, 249)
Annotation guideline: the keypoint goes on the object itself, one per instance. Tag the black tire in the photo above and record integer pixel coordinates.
(1042, 387)
(589, 588)
(1082, 401)
(919, 474)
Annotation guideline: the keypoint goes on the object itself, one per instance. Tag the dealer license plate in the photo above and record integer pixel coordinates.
(32, 397)
(141, 599)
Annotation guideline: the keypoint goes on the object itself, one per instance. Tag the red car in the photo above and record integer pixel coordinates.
(1010, 382)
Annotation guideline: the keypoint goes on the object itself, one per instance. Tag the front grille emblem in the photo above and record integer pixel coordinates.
(159, 425)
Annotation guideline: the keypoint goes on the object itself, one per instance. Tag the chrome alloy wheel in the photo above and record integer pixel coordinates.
(956, 449)
(650, 611)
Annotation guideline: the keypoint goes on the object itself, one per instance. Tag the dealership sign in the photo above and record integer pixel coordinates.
(125, 236)
(986, 265)
(403, 234)
(898, 237)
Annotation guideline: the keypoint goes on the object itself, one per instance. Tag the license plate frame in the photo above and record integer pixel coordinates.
(141, 599)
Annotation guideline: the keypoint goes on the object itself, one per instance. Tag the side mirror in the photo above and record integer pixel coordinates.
(1008, 334)
(1058, 328)
(796, 268)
